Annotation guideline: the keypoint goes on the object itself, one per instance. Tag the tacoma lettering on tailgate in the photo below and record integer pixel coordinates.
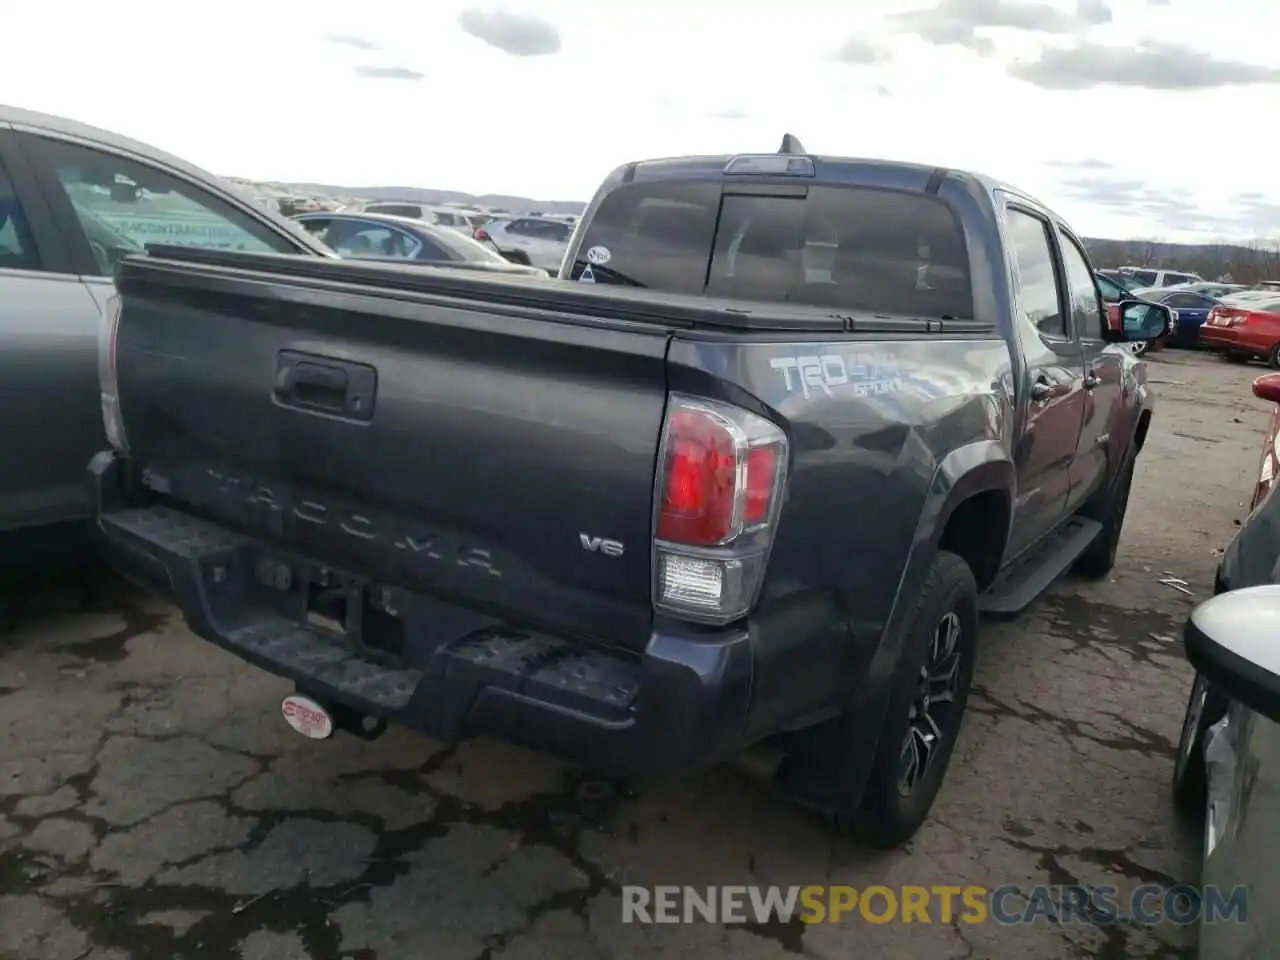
(262, 505)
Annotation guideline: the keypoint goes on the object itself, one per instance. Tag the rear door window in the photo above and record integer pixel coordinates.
(847, 248)
(656, 235)
(1146, 278)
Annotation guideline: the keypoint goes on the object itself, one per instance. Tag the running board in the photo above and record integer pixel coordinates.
(1019, 586)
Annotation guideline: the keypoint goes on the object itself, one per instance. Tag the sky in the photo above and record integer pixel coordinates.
(1132, 118)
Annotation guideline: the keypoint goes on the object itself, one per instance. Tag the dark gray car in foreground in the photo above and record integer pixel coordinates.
(1227, 775)
(74, 200)
(748, 474)
(1232, 642)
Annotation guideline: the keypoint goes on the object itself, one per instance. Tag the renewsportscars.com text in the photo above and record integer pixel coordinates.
(1103, 905)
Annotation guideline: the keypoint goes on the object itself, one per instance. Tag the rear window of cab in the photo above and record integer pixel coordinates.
(846, 248)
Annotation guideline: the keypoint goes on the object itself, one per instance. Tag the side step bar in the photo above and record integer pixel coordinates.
(1024, 582)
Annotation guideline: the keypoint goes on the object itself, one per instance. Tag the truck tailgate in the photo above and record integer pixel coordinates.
(486, 455)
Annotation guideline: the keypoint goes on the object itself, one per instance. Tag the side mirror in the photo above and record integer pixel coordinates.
(1233, 640)
(1141, 320)
(1267, 387)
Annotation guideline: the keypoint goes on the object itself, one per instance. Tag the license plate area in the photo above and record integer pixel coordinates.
(360, 613)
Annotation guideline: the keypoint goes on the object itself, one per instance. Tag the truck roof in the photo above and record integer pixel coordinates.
(866, 171)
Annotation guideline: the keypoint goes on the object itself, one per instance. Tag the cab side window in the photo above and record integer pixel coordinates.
(123, 205)
(1037, 276)
(1087, 312)
(17, 246)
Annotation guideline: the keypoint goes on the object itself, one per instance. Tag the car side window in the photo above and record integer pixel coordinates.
(1037, 275)
(17, 246)
(317, 227)
(123, 205)
(376, 240)
(1088, 315)
(518, 227)
(434, 252)
(1183, 300)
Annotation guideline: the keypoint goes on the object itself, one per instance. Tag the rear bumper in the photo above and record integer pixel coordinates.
(681, 705)
(1222, 338)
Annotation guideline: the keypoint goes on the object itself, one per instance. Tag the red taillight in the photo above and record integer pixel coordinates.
(482, 235)
(698, 496)
(721, 475)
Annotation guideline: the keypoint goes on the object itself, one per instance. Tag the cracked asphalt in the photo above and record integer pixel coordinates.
(154, 805)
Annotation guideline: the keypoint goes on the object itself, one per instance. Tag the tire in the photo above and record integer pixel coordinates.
(1273, 357)
(1100, 557)
(1205, 707)
(518, 256)
(894, 802)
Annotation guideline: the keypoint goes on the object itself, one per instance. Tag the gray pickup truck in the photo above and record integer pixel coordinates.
(746, 474)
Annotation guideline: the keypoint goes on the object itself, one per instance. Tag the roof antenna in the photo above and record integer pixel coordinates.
(791, 145)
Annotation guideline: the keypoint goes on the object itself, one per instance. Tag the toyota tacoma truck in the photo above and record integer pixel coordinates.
(746, 474)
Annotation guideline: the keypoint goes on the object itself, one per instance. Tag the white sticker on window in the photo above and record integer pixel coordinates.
(599, 255)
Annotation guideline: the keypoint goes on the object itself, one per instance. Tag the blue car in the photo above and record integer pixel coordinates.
(1191, 304)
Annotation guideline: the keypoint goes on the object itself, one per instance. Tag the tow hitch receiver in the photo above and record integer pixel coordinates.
(307, 717)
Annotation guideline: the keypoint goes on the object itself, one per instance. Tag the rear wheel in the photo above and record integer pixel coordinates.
(1098, 560)
(518, 256)
(1205, 707)
(925, 709)
(1273, 357)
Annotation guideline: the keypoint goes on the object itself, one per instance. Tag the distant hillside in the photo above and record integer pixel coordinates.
(421, 195)
(1244, 264)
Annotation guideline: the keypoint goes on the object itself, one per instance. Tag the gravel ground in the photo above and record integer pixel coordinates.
(154, 805)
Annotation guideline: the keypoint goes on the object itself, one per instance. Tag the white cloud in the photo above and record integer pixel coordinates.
(327, 91)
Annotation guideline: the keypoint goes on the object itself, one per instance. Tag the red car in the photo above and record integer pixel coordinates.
(1267, 387)
(1242, 330)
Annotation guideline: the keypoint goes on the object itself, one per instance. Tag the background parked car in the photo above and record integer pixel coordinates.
(540, 241)
(74, 200)
(1148, 277)
(1191, 304)
(1123, 280)
(1244, 327)
(373, 236)
(439, 216)
(1206, 288)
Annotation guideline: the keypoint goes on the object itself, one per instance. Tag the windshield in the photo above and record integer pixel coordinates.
(846, 248)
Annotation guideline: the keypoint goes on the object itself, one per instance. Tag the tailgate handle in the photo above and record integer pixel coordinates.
(334, 386)
(314, 378)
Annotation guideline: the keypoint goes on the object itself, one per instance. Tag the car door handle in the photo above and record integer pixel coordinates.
(1091, 380)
